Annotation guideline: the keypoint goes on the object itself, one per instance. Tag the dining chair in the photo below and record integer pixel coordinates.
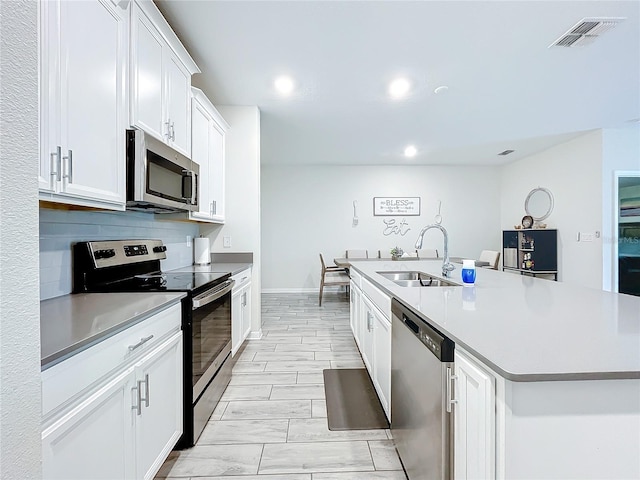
(357, 254)
(427, 253)
(490, 256)
(332, 276)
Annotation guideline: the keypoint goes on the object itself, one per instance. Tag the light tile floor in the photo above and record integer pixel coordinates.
(271, 422)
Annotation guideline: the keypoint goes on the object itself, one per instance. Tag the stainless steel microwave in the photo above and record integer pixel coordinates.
(159, 179)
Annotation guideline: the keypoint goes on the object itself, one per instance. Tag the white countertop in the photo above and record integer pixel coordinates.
(72, 323)
(525, 328)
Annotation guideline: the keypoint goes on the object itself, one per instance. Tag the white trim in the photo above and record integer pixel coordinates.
(291, 290)
(617, 174)
(255, 335)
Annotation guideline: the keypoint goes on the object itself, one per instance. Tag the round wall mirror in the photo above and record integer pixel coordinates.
(539, 203)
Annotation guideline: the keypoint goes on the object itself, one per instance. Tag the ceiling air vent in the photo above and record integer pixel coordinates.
(586, 31)
(506, 152)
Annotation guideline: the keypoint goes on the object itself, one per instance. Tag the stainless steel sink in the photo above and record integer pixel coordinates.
(416, 279)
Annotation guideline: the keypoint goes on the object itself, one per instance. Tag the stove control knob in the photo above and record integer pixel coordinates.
(98, 254)
(161, 248)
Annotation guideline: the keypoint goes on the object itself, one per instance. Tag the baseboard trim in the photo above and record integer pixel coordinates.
(290, 290)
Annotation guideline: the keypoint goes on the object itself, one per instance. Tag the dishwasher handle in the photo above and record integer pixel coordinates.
(410, 324)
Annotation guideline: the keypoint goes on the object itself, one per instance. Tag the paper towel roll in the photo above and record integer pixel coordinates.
(202, 255)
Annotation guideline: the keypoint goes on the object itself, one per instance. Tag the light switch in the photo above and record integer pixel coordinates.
(226, 242)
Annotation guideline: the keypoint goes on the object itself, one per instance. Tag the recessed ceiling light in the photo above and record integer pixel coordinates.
(410, 151)
(284, 85)
(399, 88)
(441, 89)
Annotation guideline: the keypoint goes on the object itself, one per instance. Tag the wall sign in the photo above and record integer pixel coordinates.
(395, 206)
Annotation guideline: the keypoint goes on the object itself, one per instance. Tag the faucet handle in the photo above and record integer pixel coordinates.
(447, 268)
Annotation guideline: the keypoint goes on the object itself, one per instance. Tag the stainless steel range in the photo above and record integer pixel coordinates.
(134, 266)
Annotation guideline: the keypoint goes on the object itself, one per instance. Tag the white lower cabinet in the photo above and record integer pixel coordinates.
(240, 309)
(93, 440)
(158, 406)
(382, 360)
(366, 340)
(124, 424)
(474, 420)
(371, 328)
(355, 297)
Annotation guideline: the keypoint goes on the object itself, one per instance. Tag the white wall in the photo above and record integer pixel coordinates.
(307, 210)
(573, 173)
(621, 152)
(20, 411)
(242, 197)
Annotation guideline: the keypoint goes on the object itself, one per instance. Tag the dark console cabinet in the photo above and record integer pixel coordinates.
(530, 251)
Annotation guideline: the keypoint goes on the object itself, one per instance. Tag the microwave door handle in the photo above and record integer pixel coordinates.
(189, 192)
(189, 186)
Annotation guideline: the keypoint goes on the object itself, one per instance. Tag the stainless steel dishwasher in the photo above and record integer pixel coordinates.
(421, 396)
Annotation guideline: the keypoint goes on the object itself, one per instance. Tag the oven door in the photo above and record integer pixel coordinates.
(211, 334)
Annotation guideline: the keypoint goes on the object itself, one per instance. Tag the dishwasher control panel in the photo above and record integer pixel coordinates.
(441, 346)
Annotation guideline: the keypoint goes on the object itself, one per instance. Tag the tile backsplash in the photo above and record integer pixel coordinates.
(59, 229)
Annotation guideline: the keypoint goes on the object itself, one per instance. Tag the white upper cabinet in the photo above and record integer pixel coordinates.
(161, 72)
(83, 103)
(208, 130)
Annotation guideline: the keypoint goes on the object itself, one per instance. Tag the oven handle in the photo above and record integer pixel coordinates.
(212, 295)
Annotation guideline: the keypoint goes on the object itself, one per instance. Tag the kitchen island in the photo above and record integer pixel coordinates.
(559, 365)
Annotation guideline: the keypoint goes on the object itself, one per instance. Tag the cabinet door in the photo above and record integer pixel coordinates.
(236, 321)
(94, 439)
(366, 340)
(474, 420)
(217, 171)
(200, 146)
(354, 311)
(146, 76)
(83, 103)
(246, 312)
(382, 361)
(158, 406)
(178, 104)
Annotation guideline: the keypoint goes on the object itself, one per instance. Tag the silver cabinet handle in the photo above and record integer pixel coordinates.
(369, 321)
(168, 124)
(138, 406)
(140, 343)
(56, 163)
(69, 159)
(244, 299)
(451, 379)
(146, 390)
(211, 209)
(173, 131)
(215, 209)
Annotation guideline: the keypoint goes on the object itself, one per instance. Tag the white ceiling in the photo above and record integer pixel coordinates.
(507, 89)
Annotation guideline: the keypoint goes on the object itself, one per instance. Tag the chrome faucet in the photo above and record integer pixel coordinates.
(447, 267)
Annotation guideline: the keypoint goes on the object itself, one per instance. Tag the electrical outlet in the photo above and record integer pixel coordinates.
(586, 237)
(189, 239)
(226, 242)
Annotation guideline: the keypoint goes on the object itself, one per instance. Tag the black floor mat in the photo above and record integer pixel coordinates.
(352, 402)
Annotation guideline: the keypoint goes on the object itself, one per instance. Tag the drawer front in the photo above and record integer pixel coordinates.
(241, 279)
(378, 297)
(65, 382)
